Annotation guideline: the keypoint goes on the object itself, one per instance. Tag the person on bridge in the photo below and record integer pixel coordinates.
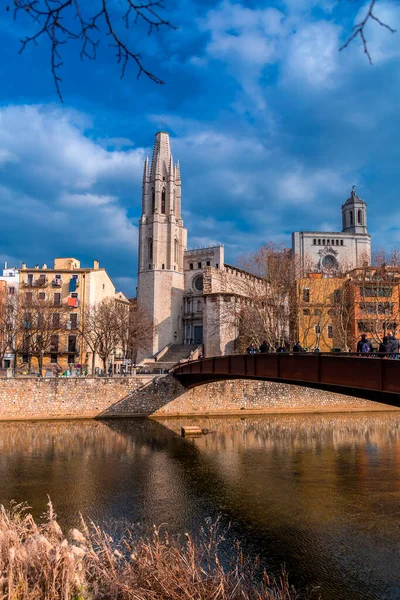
(298, 347)
(281, 348)
(384, 347)
(265, 347)
(252, 349)
(393, 346)
(364, 346)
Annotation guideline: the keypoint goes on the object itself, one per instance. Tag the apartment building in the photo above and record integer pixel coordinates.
(63, 293)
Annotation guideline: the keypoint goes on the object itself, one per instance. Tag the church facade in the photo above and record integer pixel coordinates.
(328, 252)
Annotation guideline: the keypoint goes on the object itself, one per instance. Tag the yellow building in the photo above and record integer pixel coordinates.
(318, 302)
(62, 293)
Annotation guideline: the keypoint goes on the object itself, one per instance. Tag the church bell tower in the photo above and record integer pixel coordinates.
(162, 241)
(354, 214)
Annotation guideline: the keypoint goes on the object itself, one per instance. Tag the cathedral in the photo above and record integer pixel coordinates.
(191, 296)
(328, 251)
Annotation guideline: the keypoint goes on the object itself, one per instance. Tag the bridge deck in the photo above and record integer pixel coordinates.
(373, 378)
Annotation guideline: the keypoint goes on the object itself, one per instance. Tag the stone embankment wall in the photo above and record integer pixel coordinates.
(162, 396)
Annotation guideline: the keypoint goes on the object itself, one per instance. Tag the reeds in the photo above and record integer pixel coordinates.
(38, 562)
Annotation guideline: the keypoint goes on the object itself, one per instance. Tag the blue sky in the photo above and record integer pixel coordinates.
(272, 126)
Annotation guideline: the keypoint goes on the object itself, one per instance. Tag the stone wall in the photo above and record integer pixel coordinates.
(162, 396)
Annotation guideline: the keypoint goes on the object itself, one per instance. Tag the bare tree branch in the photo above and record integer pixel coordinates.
(359, 29)
(63, 21)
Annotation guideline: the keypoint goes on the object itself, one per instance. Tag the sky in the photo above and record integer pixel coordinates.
(271, 123)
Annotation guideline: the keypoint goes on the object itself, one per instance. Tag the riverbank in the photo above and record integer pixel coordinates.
(163, 396)
(38, 560)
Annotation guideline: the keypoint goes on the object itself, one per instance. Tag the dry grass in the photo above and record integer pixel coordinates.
(38, 562)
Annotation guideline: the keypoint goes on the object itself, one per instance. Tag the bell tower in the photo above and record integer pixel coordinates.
(162, 241)
(354, 214)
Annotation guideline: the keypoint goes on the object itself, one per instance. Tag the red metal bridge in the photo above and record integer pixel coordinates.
(373, 377)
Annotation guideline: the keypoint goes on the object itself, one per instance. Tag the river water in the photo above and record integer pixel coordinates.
(320, 493)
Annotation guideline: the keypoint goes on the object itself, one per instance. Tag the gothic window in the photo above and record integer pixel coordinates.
(319, 241)
(314, 242)
(341, 242)
(163, 201)
(153, 200)
(150, 249)
(323, 242)
(359, 217)
(351, 217)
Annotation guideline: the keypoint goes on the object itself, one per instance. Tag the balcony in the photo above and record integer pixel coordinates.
(41, 281)
(56, 283)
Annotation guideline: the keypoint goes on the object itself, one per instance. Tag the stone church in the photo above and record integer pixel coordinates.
(328, 251)
(191, 296)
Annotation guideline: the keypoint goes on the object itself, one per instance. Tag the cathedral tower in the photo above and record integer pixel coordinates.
(354, 214)
(162, 241)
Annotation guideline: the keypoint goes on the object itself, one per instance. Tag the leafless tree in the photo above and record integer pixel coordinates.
(359, 29)
(39, 324)
(87, 23)
(134, 328)
(8, 321)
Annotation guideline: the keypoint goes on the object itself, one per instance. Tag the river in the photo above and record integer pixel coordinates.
(320, 493)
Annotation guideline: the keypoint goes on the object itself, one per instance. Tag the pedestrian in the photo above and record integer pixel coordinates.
(297, 347)
(364, 346)
(264, 348)
(281, 348)
(384, 347)
(393, 345)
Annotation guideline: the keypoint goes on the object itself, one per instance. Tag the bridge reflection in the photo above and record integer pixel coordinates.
(372, 377)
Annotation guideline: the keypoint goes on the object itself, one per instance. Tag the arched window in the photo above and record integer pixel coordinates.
(163, 201)
(359, 217)
(150, 249)
(153, 200)
(351, 217)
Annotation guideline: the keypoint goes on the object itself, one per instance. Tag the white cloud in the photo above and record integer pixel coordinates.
(57, 193)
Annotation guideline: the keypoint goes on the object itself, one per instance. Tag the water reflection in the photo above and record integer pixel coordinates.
(320, 492)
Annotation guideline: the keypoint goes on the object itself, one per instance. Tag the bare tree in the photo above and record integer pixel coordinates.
(39, 324)
(8, 322)
(134, 328)
(359, 29)
(87, 23)
(99, 328)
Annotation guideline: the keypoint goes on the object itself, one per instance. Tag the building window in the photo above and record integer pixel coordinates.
(331, 312)
(317, 312)
(57, 299)
(328, 242)
(330, 331)
(306, 311)
(41, 296)
(53, 358)
(359, 217)
(73, 317)
(216, 266)
(163, 201)
(315, 241)
(163, 266)
(54, 343)
(191, 266)
(198, 283)
(333, 242)
(72, 343)
(199, 265)
(317, 329)
(153, 200)
(351, 217)
(341, 242)
(30, 278)
(324, 242)
(74, 295)
(208, 263)
(306, 295)
(28, 297)
(11, 291)
(150, 249)
(336, 296)
(56, 320)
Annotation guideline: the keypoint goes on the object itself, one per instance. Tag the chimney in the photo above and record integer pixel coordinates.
(36, 266)
(96, 265)
(44, 266)
(6, 264)
(23, 266)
